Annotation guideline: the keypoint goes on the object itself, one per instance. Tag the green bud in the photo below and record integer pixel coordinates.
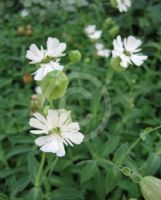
(54, 85)
(115, 63)
(114, 31)
(109, 21)
(75, 56)
(45, 110)
(114, 3)
(151, 188)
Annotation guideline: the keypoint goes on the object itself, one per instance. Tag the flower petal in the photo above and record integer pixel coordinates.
(51, 146)
(138, 60)
(61, 150)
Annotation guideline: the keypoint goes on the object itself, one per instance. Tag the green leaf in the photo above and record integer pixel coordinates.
(111, 145)
(100, 185)
(113, 176)
(88, 171)
(33, 166)
(145, 133)
(120, 155)
(35, 194)
(152, 164)
(66, 194)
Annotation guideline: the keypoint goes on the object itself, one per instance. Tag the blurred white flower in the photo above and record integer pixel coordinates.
(59, 130)
(123, 5)
(54, 51)
(92, 33)
(55, 48)
(102, 51)
(38, 90)
(24, 13)
(35, 54)
(128, 51)
(46, 68)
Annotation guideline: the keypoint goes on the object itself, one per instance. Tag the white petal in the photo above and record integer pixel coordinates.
(131, 44)
(37, 132)
(43, 140)
(75, 138)
(72, 127)
(118, 45)
(63, 118)
(42, 72)
(52, 43)
(61, 150)
(40, 117)
(58, 52)
(138, 60)
(51, 146)
(53, 117)
(34, 54)
(37, 124)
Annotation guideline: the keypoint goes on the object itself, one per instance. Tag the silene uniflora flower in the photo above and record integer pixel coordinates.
(123, 5)
(38, 90)
(24, 12)
(46, 68)
(102, 51)
(128, 50)
(54, 50)
(92, 32)
(59, 130)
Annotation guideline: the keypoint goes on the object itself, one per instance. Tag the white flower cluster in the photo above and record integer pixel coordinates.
(128, 50)
(48, 59)
(94, 35)
(123, 5)
(92, 32)
(57, 125)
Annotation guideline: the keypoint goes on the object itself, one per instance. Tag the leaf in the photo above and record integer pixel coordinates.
(35, 194)
(100, 185)
(120, 155)
(88, 172)
(33, 166)
(66, 193)
(111, 145)
(152, 164)
(145, 133)
(113, 176)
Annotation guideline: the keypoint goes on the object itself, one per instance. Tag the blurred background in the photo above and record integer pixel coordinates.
(112, 106)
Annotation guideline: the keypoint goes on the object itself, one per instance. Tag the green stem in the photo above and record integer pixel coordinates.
(38, 177)
(53, 166)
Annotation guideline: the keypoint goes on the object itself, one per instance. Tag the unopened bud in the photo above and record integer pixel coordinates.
(54, 85)
(75, 56)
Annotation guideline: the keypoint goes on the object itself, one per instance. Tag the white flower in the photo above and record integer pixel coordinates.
(46, 68)
(123, 5)
(59, 130)
(102, 51)
(38, 90)
(54, 50)
(24, 13)
(92, 33)
(35, 54)
(128, 51)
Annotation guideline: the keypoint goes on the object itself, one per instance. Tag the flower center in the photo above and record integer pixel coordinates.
(56, 130)
(127, 53)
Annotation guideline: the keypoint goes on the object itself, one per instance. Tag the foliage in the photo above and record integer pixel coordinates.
(112, 106)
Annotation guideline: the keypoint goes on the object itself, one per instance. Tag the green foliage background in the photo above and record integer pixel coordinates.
(135, 101)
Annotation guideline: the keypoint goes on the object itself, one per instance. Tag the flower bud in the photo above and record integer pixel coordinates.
(74, 56)
(114, 31)
(109, 21)
(115, 63)
(54, 84)
(27, 78)
(151, 188)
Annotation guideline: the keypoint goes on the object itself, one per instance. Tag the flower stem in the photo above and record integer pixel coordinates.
(53, 166)
(38, 177)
